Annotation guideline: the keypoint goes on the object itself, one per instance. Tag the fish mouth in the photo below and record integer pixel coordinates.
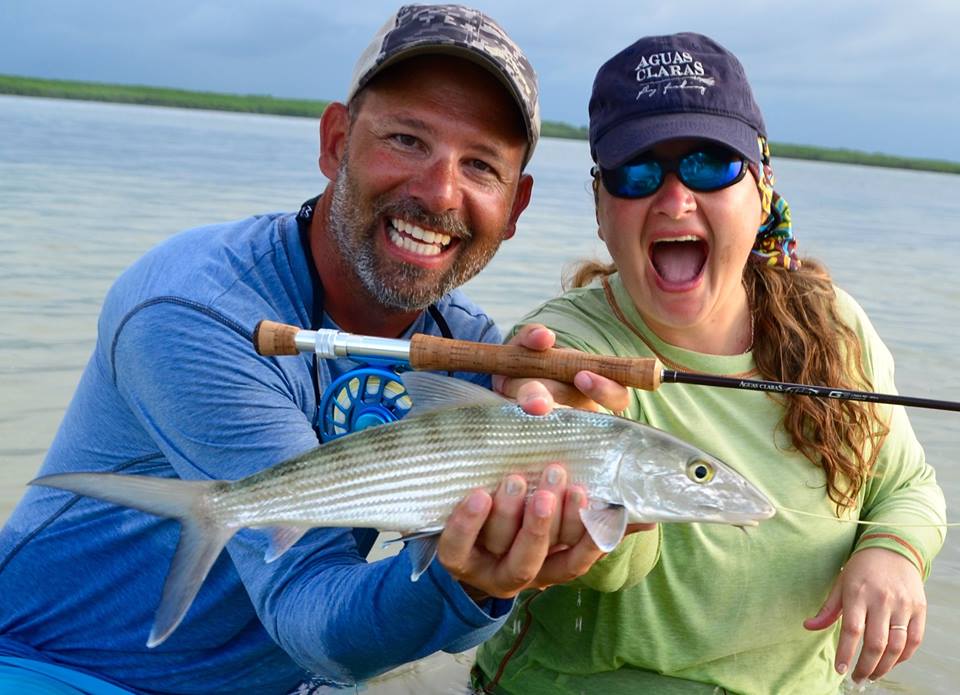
(720, 513)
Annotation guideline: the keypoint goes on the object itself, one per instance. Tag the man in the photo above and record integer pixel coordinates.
(426, 161)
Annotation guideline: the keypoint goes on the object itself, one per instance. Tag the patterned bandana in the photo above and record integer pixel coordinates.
(775, 243)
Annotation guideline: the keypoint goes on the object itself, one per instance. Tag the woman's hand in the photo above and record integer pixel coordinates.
(588, 392)
(880, 595)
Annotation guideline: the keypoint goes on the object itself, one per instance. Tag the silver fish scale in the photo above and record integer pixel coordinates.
(409, 475)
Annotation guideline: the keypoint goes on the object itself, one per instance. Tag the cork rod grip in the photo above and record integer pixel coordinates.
(272, 338)
(431, 352)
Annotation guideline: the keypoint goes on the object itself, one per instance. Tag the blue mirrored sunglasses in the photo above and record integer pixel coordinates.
(704, 169)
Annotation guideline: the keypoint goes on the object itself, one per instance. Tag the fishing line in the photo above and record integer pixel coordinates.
(862, 522)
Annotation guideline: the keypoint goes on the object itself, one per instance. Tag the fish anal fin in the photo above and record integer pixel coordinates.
(199, 547)
(282, 538)
(606, 523)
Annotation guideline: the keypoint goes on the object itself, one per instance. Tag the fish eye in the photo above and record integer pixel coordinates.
(700, 471)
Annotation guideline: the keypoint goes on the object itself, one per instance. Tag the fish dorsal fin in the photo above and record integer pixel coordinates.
(282, 538)
(431, 392)
(606, 523)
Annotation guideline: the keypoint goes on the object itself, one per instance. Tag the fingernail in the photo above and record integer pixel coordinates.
(476, 502)
(513, 487)
(553, 475)
(544, 331)
(583, 381)
(543, 505)
(841, 669)
(575, 498)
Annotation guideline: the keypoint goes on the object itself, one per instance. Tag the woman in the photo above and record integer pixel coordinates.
(682, 185)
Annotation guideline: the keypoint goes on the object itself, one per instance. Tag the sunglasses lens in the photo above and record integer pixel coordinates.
(635, 180)
(710, 169)
(706, 169)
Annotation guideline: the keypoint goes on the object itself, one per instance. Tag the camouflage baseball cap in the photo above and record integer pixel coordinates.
(460, 31)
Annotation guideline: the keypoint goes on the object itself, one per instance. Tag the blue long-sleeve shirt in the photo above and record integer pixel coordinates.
(174, 389)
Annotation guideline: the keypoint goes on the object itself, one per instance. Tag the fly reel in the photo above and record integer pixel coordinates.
(362, 398)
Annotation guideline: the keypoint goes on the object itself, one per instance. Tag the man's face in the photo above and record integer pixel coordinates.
(429, 181)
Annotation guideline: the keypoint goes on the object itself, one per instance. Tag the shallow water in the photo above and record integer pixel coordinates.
(86, 188)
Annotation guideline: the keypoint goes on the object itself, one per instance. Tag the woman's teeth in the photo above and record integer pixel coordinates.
(688, 237)
(415, 239)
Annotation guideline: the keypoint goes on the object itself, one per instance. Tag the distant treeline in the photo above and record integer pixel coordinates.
(256, 103)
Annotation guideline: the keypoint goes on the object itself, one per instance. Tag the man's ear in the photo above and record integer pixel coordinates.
(334, 127)
(520, 202)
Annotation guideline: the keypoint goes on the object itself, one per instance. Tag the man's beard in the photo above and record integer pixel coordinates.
(392, 283)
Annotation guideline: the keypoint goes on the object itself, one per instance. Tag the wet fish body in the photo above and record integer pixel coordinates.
(408, 476)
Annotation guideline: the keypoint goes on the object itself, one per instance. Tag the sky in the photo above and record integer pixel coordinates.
(873, 75)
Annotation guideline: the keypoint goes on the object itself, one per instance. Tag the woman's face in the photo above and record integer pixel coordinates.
(681, 255)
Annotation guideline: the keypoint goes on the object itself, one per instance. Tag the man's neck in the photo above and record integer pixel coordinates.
(344, 299)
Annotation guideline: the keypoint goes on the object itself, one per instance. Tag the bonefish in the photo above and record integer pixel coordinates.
(408, 476)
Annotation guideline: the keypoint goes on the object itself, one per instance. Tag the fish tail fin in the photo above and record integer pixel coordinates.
(201, 540)
(167, 497)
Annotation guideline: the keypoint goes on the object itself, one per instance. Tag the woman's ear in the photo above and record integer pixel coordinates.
(596, 202)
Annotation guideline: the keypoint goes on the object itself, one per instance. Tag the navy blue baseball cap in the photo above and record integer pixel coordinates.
(666, 87)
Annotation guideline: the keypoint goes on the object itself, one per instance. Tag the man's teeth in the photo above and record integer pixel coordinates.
(432, 242)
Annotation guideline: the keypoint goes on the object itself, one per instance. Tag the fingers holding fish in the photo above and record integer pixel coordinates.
(456, 548)
(530, 394)
(466, 549)
(506, 516)
(535, 398)
(509, 506)
(572, 529)
(521, 566)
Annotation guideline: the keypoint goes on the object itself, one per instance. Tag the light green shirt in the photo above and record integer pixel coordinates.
(708, 603)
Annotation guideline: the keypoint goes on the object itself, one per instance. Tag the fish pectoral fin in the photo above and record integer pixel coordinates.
(434, 392)
(422, 548)
(606, 524)
(282, 538)
(199, 547)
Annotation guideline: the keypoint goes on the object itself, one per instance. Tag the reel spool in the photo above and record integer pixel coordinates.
(362, 398)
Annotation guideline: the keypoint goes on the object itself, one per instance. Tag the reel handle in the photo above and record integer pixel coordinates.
(445, 354)
(271, 338)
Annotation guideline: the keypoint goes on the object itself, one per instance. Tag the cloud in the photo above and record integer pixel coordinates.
(877, 76)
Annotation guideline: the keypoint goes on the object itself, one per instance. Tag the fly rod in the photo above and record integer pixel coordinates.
(427, 352)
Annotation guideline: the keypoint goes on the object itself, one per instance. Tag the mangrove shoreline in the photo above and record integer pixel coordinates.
(309, 108)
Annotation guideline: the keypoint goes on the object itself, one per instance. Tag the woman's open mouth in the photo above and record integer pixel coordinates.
(679, 261)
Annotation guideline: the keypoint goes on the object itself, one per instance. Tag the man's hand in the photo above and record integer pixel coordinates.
(588, 392)
(501, 544)
(880, 596)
